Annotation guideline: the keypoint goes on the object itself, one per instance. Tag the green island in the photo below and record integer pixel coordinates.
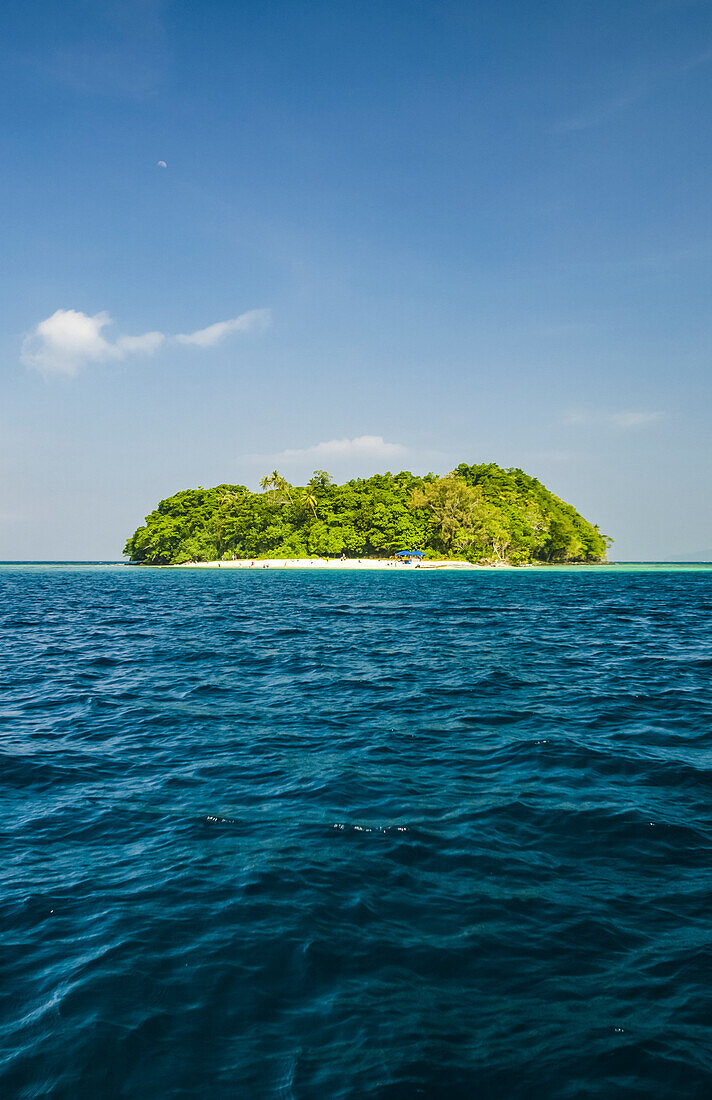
(482, 514)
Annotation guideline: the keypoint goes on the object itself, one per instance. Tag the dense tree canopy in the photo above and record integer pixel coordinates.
(483, 513)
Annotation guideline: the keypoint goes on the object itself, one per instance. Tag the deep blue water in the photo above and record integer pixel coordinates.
(286, 834)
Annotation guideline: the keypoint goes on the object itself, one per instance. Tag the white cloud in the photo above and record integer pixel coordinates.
(70, 340)
(162, 164)
(129, 345)
(213, 334)
(363, 446)
(623, 420)
(66, 341)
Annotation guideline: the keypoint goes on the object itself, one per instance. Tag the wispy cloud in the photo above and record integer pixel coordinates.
(623, 420)
(634, 419)
(601, 112)
(639, 87)
(213, 334)
(364, 448)
(69, 340)
(115, 49)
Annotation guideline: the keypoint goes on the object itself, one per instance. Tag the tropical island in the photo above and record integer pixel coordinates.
(481, 514)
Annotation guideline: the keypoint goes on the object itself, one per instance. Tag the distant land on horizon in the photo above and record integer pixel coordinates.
(701, 556)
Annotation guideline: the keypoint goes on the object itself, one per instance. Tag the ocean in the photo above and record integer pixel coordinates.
(294, 834)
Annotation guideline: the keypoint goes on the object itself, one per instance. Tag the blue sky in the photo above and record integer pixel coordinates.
(355, 236)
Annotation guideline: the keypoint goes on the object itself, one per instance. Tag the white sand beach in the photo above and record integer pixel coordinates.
(333, 564)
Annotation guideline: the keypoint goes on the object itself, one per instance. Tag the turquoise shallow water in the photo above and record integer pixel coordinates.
(296, 834)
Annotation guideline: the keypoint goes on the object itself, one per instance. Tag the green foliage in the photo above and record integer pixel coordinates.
(455, 511)
(483, 513)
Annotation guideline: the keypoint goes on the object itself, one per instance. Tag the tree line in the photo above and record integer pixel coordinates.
(482, 512)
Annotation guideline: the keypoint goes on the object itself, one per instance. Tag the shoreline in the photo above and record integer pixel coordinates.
(335, 563)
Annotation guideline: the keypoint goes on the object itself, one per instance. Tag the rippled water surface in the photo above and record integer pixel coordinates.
(286, 834)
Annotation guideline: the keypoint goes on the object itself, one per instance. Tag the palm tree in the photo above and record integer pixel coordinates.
(310, 501)
(277, 484)
(284, 487)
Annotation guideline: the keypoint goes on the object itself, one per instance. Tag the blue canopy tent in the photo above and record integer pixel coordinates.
(410, 554)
